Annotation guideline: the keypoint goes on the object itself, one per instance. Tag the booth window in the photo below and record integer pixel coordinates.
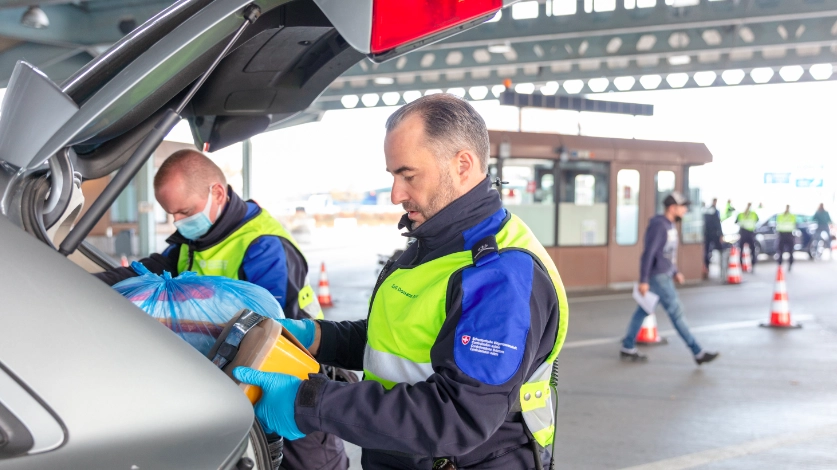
(664, 180)
(582, 209)
(530, 195)
(627, 207)
(692, 226)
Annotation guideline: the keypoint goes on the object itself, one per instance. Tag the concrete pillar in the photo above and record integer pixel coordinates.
(147, 225)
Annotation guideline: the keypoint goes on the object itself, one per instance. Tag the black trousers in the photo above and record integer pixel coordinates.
(710, 244)
(784, 244)
(748, 238)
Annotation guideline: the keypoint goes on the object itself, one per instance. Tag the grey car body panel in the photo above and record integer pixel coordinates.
(128, 390)
(47, 432)
(151, 70)
(352, 19)
(32, 101)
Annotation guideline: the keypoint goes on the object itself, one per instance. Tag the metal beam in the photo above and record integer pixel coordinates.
(40, 56)
(71, 25)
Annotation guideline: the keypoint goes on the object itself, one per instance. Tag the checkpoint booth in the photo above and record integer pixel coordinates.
(588, 199)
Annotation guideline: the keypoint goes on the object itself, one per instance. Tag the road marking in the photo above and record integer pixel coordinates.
(688, 290)
(666, 333)
(747, 448)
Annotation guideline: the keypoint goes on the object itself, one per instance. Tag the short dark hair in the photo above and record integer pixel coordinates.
(451, 124)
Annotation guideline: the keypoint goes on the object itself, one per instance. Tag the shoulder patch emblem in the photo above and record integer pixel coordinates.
(466, 339)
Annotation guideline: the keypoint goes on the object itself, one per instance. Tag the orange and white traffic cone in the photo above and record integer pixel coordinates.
(746, 260)
(323, 293)
(734, 269)
(124, 261)
(780, 316)
(648, 333)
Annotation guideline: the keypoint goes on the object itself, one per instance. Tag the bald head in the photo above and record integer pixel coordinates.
(185, 180)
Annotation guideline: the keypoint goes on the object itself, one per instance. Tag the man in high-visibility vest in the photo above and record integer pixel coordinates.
(463, 328)
(728, 210)
(747, 221)
(785, 226)
(219, 234)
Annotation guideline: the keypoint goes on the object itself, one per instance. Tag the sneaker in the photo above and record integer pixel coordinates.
(706, 356)
(632, 355)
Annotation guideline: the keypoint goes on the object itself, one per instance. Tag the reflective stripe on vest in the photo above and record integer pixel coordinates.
(747, 221)
(225, 257)
(408, 311)
(785, 223)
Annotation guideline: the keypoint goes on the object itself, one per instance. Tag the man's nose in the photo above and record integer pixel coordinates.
(398, 195)
(178, 217)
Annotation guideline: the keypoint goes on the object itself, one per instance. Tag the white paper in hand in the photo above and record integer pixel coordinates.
(647, 301)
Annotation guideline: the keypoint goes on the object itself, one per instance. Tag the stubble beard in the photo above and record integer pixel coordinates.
(444, 194)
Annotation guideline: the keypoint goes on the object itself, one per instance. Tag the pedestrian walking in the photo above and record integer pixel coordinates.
(658, 271)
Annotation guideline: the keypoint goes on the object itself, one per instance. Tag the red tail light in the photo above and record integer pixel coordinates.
(398, 22)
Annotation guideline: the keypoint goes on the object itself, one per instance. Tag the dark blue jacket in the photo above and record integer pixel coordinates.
(270, 261)
(659, 255)
(458, 412)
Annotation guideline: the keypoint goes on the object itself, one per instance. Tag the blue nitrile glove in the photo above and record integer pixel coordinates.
(303, 330)
(275, 409)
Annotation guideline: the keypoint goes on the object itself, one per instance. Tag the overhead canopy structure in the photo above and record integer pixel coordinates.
(556, 46)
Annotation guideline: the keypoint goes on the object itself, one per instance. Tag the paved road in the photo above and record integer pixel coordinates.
(769, 401)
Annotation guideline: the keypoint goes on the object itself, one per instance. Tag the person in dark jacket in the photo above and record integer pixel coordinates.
(220, 234)
(462, 329)
(713, 235)
(657, 273)
(823, 220)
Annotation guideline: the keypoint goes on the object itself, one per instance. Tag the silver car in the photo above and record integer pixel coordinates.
(87, 380)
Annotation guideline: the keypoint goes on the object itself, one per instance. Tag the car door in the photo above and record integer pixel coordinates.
(766, 235)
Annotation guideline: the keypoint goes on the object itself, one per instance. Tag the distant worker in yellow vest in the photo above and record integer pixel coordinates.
(463, 328)
(785, 226)
(728, 210)
(747, 221)
(219, 234)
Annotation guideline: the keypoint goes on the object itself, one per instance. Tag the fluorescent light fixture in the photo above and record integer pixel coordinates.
(525, 88)
(460, 92)
(679, 60)
(478, 92)
(432, 91)
(761, 74)
(791, 73)
(497, 89)
(573, 86)
(525, 10)
(624, 83)
(384, 80)
(650, 82)
(412, 95)
(550, 88)
(349, 101)
(496, 17)
(677, 80)
(821, 71)
(391, 98)
(598, 85)
(733, 77)
(705, 78)
(370, 99)
(499, 48)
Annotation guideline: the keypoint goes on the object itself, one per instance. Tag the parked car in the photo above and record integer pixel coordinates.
(806, 237)
(87, 380)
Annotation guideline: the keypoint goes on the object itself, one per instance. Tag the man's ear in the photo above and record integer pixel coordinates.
(465, 164)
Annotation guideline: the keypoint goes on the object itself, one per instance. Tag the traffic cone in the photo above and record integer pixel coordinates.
(746, 260)
(648, 333)
(734, 269)
(124, 261)
(780, 316)
(323, 293)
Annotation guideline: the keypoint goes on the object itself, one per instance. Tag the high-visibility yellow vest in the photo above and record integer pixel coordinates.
(408, 311)
(785, 223)
(747, 220)
(225, 257)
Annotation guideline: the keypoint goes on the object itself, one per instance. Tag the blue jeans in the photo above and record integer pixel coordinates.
(662, 285)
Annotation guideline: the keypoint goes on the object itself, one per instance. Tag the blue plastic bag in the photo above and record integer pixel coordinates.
(195, 307)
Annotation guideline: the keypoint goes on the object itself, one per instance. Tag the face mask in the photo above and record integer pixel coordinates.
(196, 226)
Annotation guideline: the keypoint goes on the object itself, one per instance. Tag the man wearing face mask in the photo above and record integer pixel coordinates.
(219, 234)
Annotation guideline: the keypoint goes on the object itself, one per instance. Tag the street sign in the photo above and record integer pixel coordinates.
(777, 178)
